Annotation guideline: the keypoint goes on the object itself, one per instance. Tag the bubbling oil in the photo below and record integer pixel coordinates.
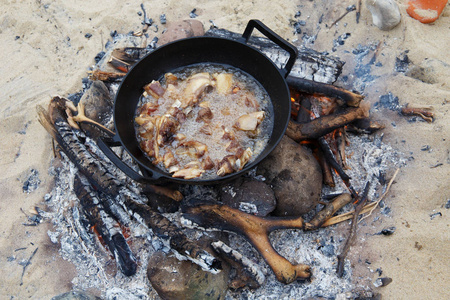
(248, 96)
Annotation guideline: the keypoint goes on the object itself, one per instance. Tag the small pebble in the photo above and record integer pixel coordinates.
(88, 35)
(432, 216)
(192, 14)
(99, 56)
(351, 7)
(387, 231)
(447, 205)
(383, 281)
(385, 13)
(298, 14)
(162, 19)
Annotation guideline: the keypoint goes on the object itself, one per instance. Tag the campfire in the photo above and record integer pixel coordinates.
(110, 226)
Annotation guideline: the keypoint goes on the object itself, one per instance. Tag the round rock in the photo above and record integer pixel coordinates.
(249, 195)
(385, 13)
(181, 29)
(174, 279)
(295, 176)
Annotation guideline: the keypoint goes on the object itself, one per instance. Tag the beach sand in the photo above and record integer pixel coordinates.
(45, 52)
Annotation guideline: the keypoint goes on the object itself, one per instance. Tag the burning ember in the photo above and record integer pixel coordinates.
(109, 230)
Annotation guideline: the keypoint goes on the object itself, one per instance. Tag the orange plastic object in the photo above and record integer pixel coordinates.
(426, 11)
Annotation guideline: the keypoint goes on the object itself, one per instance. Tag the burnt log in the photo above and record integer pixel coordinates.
(326, 124)
(310, 64)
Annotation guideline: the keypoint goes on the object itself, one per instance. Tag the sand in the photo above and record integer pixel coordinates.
(45, 52)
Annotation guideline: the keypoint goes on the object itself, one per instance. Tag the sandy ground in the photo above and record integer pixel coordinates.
(45, 53)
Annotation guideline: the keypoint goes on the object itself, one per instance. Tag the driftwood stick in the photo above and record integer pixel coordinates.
(352, 234)
(81, 118)
(382, 196)
(326, 124)
(369, 208)
(423, 112)
(256, 230)
(329, 210)
(328, 90)
(27, 263)
(304, 113)
(349, 9)
(327, 174)
(341, 141)
(358, 11)
(328, 154)
(248, 274)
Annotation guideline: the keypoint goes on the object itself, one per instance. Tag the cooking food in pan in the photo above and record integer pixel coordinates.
(205, 120)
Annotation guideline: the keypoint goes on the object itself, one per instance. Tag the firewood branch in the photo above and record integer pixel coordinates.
(326, 124)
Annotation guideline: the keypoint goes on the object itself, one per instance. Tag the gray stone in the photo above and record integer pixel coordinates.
(173, 279)
(295, 176)
(385, 13)
(249, 195)
(98, 106)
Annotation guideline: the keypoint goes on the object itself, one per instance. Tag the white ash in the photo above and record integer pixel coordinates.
(249, 208)
(97, 270)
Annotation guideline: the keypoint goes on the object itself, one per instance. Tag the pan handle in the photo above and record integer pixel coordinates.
(105, 146)
(291, 49)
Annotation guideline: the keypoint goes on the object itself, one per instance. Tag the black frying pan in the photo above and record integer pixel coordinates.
(187, 52)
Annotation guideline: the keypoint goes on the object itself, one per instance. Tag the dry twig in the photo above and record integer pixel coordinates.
(352, 234)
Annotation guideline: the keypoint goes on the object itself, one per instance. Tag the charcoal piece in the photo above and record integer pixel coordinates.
(388, 101)
(295, 176)
(387, 231)
(249, 195)
(32, 182)
(162, 19)
(99, 56)
(437, 214)
(402, 63)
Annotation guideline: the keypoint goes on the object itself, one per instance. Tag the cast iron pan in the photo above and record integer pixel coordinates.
(187, 52)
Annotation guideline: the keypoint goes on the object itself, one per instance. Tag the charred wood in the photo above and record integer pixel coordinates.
(106, 76)
(129, 55)
(55, 122)
(304, 112)
(329, 156)
(310, 64)
(108, 228)
(328, 211)
(312, 87)
(248, 273)
(256, 230)
(423, 112)
(327, 174)
(326, 124)
(352, 234)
